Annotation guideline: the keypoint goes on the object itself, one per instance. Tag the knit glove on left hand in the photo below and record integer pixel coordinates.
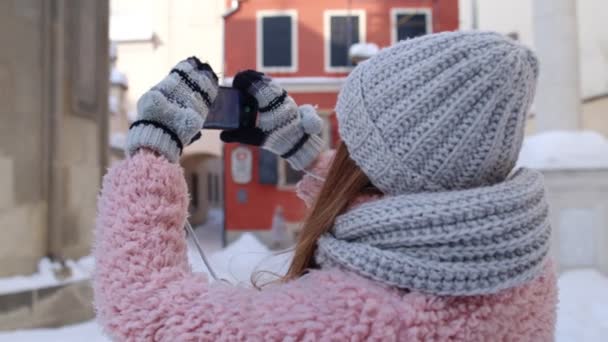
(171, 114)
(282, 127)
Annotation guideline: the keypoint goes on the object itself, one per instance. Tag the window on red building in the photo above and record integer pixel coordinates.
(343, 28)
(410, 23)
(277, 41)
(287, 175)
(269, 169)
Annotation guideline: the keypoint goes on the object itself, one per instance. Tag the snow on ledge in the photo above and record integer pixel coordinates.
(45, 276)
(118, 140)
(583, 306)
(565, 150)
(118, 78)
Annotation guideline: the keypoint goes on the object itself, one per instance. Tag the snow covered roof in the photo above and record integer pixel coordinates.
(132, 115)
(311, 84)
(118, 140)
(565, 150)
(118, 78)
(113, 51)
(113, 104)
(362, 50)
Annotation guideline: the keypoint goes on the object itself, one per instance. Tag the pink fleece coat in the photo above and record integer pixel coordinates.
(145, 290)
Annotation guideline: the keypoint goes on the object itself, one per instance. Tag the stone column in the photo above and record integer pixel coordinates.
(558, 99)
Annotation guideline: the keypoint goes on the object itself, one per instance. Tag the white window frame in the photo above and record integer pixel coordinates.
(294, 40)
(327, 14)
(410, 10)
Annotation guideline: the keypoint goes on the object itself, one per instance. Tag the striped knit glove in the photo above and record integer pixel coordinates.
(282, 128)
(171, 114)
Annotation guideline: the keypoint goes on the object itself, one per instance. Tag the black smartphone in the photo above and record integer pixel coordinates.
(232, 109)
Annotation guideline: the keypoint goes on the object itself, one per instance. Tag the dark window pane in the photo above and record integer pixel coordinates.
(292, 176)
(276, 41)
(269, 174)
(344, 32)
(411, 25)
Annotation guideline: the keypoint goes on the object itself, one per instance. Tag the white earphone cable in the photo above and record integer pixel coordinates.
(200, 250)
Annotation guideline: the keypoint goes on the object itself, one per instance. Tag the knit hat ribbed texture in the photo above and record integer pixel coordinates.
(440, 112)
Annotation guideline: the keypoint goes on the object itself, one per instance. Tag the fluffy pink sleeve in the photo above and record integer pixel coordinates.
(145, 291)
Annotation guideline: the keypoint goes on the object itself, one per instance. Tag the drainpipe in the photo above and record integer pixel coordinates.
(235, 5)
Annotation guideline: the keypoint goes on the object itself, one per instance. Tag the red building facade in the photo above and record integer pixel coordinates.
(303, 45)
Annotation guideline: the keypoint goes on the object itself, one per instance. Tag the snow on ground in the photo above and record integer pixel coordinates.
(582, 313)
(238, 261)
(246, 257)
(565, 150)
(583, 307)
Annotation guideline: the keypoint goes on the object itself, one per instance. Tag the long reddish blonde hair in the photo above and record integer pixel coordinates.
(345, 181)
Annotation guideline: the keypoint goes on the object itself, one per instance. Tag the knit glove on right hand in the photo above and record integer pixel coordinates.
(170, 116)
(282, 128)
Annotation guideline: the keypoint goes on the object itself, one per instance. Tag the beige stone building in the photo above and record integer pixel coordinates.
(53, 141)
(62, 103)
(150, 37)
(518, 17)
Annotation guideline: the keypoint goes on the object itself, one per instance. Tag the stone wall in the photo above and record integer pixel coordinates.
(23, 206)
(53, 148)
(594, 116)
(48, 307)
(53, 102)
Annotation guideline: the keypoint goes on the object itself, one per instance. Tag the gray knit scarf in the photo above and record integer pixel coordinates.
(465, 242)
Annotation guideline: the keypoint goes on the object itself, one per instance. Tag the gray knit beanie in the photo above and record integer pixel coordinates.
(440, 112)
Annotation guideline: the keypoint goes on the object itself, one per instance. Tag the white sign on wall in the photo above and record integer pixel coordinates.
(241, 163)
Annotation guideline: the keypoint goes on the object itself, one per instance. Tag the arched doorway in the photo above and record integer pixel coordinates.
(203, 173)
